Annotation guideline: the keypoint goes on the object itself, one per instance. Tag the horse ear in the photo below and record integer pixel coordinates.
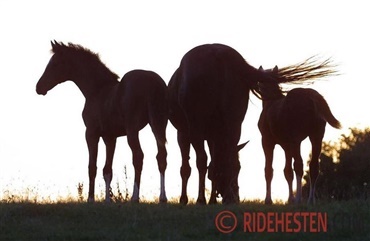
(276, 69)
(54, 45)
(57, 46)
(241, 146)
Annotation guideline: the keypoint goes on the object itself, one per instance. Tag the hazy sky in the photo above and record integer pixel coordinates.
(42, 145)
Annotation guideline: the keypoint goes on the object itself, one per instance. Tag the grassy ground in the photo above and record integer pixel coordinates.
(127, 221)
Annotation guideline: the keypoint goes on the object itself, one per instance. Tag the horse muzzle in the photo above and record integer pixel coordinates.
(41, 92)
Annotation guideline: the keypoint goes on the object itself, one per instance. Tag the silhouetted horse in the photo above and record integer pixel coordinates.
(288, 120)
(209, 95)
(112, 108)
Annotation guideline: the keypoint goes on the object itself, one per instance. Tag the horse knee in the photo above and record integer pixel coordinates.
(298, 168)
(138, 161)
(137, 152)
(162, 160)
(162, 166)
(202, 167)
(92, 171)
(185, 171)
(269, 172)
(314, 168)
(288, 172)
(107, 171)
(201, 163)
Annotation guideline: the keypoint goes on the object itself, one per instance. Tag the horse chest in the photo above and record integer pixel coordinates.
(104, 120)
(282, 125)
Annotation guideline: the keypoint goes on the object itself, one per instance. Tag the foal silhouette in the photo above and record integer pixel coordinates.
(112, 108)
(287, 121)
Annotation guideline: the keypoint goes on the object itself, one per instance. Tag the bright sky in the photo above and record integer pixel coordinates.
(42, 145)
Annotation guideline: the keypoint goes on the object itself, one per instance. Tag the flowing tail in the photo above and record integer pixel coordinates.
(325, 112)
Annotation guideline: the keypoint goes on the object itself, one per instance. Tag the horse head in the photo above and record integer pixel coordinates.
(225, 177)
(270, 89)
(57, 70)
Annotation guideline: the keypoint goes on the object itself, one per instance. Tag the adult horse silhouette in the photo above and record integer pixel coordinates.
(112, 108)
(289, 119)
(209, 94)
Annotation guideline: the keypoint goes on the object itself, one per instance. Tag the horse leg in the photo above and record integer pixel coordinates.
(202, 169)
(110, 144)
(184, 144)
(298, 169)
(92, 141)
(158, 123)
(314, 166)
(162, 165)
(137, 159)
(288, 173)
(268, 149)
(213, 197)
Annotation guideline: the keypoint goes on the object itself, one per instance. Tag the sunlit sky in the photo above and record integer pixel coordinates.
(42, 144)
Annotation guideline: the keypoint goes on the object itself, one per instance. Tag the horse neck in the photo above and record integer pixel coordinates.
(269, 101)
(92, 83)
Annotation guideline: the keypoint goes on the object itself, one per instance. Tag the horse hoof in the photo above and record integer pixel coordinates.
(184, 200)
(201, 202)
(212, 201)
(163, 200)
(268, 201)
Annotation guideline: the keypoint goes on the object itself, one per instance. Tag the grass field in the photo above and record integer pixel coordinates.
(348, 220)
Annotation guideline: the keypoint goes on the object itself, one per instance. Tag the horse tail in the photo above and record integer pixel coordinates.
(325, 112)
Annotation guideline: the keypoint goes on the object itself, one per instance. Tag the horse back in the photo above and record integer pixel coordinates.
(144, 98)
(211, 86)
(293, 117)
(143, 85)
(140, 97)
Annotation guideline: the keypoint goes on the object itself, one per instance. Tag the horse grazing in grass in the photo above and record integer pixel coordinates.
(288, 119)
(209, 94)
(211, 170)
(112, 108)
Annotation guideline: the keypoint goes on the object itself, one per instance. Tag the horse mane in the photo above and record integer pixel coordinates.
(86, 56)
(307, 71)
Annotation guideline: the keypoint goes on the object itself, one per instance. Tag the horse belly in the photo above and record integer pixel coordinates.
(114, 128)
(295, 125)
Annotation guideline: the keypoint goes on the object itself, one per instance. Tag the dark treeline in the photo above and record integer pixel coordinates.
(344, 168)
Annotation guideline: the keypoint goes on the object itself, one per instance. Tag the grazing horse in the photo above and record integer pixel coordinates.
(287, 120)
(211, 170)
(209, 94)
(113, 108)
